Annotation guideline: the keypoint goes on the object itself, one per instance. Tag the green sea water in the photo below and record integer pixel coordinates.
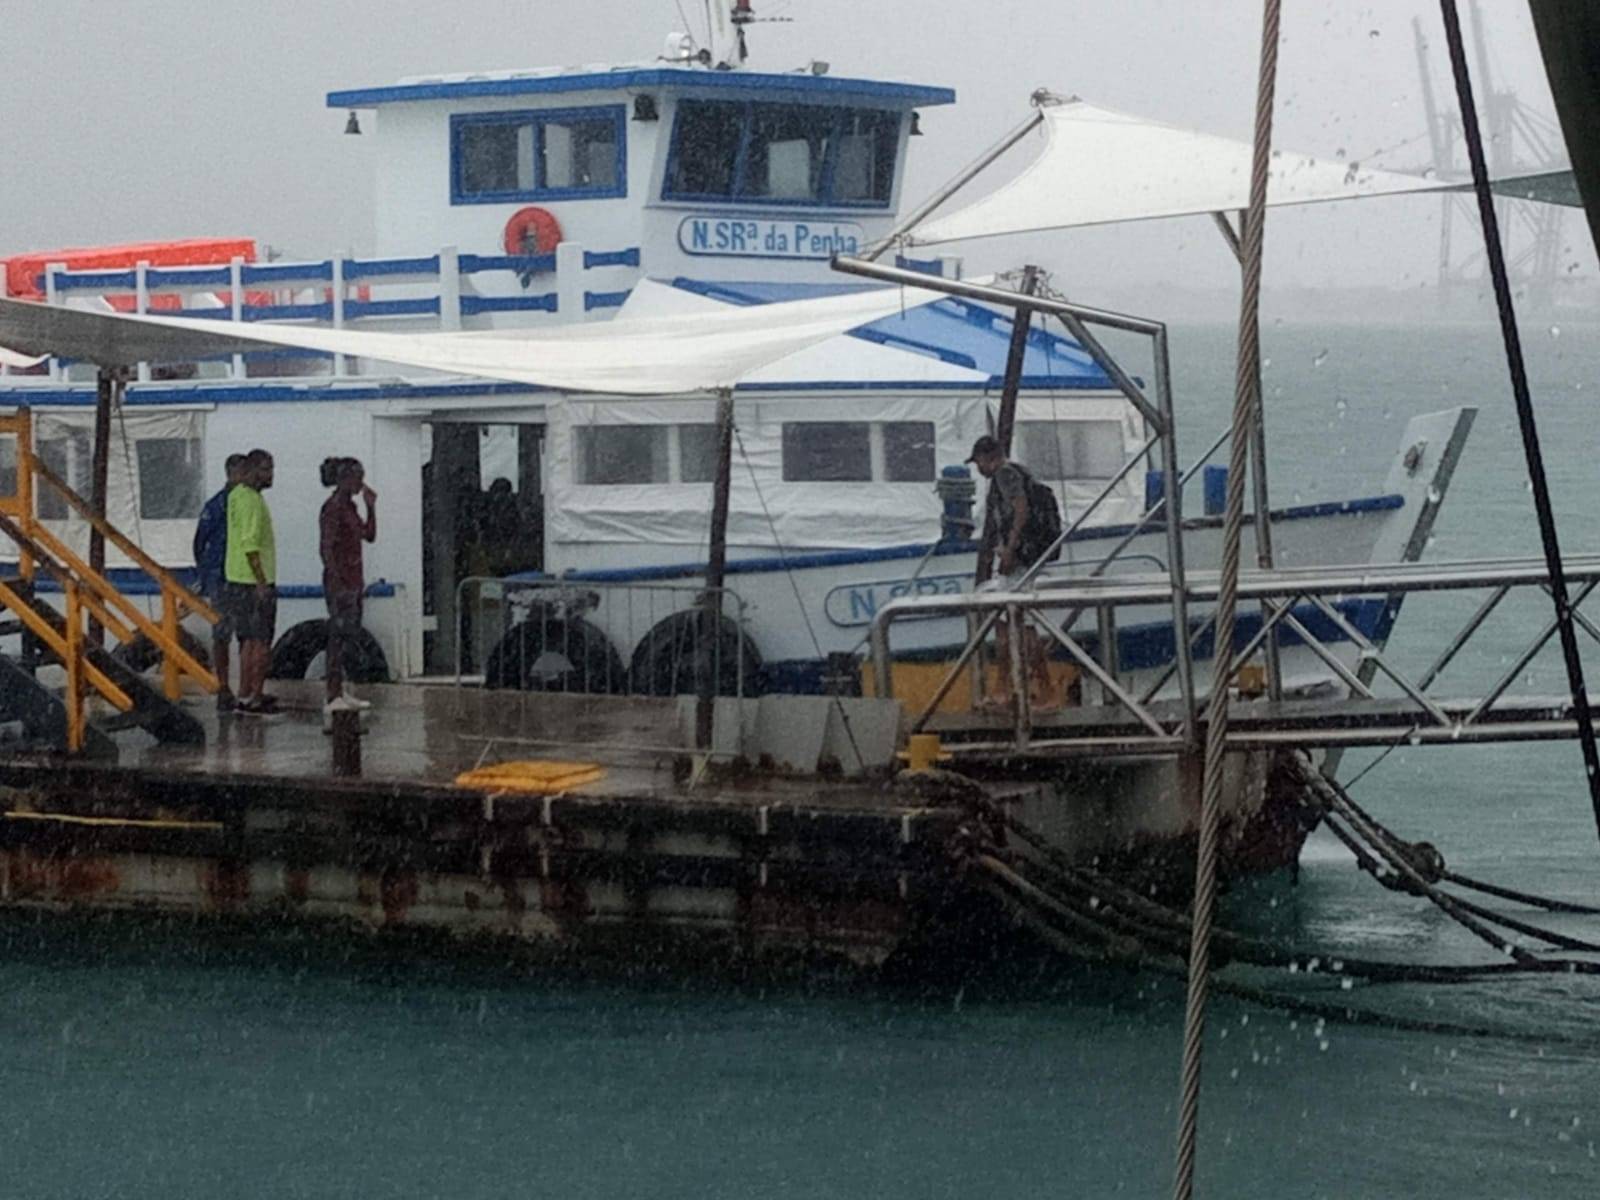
(145, 1061)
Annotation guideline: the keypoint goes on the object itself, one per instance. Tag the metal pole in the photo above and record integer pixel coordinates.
(1246, 399)
(1258, 476)
(1495, 251)
(1021, 323)
(966, 176)
(1172, 501)
(716, 573)
(1263, 506)
(108, 385)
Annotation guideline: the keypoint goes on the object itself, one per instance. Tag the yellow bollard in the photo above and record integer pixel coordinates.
(924, 752)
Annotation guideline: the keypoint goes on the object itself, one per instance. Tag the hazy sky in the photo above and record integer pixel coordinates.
(148, 119)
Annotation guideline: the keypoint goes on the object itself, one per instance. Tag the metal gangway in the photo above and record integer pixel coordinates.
(1310, 604)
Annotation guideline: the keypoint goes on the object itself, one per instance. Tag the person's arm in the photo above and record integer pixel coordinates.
(369, 531)
(205, 532)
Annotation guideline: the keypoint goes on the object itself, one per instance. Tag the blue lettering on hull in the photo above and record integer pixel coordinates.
(738, 238)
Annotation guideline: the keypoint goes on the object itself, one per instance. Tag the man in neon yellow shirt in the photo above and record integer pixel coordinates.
(251, 574)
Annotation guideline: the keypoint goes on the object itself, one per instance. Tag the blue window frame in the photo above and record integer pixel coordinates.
(812, 155)
(539, 154)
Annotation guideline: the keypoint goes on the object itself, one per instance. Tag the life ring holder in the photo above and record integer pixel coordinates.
(531, 232)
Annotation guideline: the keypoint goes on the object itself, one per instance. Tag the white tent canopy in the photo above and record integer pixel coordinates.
(629, 356)
(1101, 166)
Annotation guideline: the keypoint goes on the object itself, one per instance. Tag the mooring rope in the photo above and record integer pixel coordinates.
(1246, 400)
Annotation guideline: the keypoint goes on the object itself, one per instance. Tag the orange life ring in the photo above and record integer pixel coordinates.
(532, 231)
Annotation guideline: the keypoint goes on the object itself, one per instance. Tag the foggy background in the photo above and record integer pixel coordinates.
(156, 119)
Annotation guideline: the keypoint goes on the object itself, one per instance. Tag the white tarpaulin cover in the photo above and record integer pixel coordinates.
(10, 358)
(154, 478)
(646, 356)
(1101, 166)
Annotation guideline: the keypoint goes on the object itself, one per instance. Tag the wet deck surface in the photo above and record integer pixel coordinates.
(429, 734)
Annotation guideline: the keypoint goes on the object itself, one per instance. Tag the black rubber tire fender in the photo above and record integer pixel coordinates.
(297, 649)
(595, 667)
(664, 663)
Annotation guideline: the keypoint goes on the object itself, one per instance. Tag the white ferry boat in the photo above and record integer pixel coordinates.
(689, 185)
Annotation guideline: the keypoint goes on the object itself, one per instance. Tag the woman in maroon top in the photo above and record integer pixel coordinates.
(343, 530)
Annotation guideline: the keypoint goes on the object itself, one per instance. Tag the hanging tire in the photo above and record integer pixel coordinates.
(547, 653)
(667, 663)
(296, 650)
(141, 654)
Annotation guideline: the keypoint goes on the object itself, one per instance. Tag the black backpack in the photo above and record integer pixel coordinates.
(1043, 527)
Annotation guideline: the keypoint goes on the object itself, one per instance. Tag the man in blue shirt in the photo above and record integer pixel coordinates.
(210, 553)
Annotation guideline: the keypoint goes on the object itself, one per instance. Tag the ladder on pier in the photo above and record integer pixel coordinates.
(101, 694)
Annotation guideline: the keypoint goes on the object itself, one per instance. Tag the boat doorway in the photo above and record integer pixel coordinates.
(482, 516)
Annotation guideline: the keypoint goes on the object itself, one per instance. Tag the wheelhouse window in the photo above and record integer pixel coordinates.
(548, 154)
(1063, 450)
(783, 153)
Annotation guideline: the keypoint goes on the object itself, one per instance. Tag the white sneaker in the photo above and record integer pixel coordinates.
(354, 700)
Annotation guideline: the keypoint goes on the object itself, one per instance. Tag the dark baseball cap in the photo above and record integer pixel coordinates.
(983, 447)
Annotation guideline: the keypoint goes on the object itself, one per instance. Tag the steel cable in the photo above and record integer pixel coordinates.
(1246, 400)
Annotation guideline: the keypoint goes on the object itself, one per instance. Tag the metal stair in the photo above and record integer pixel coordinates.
(61, 719)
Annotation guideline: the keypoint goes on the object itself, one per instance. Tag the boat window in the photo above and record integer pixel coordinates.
(1071, 449)
(705, 149)
(697, 453)
(787, 150)
(908, 451)
(540, 155)
(170, 478)
(827, 452)
(617, 454)
(8, 466)
(783, 153)
(868, 144)
(69, 458)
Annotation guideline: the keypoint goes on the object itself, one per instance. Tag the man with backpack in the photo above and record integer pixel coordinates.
(1021, 525)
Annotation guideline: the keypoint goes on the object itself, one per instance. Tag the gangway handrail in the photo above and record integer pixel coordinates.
(88, 590)
(122, 542)
(1281, 591)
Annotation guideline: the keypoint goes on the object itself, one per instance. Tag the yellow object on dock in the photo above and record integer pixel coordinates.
(924, 752)
(541, 777)
(914, 684)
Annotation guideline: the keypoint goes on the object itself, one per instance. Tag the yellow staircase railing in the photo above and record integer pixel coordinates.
(89, 594)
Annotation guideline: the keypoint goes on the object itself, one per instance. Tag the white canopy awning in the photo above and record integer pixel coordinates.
(1100, 166)
(629, 356)
(10, 358)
